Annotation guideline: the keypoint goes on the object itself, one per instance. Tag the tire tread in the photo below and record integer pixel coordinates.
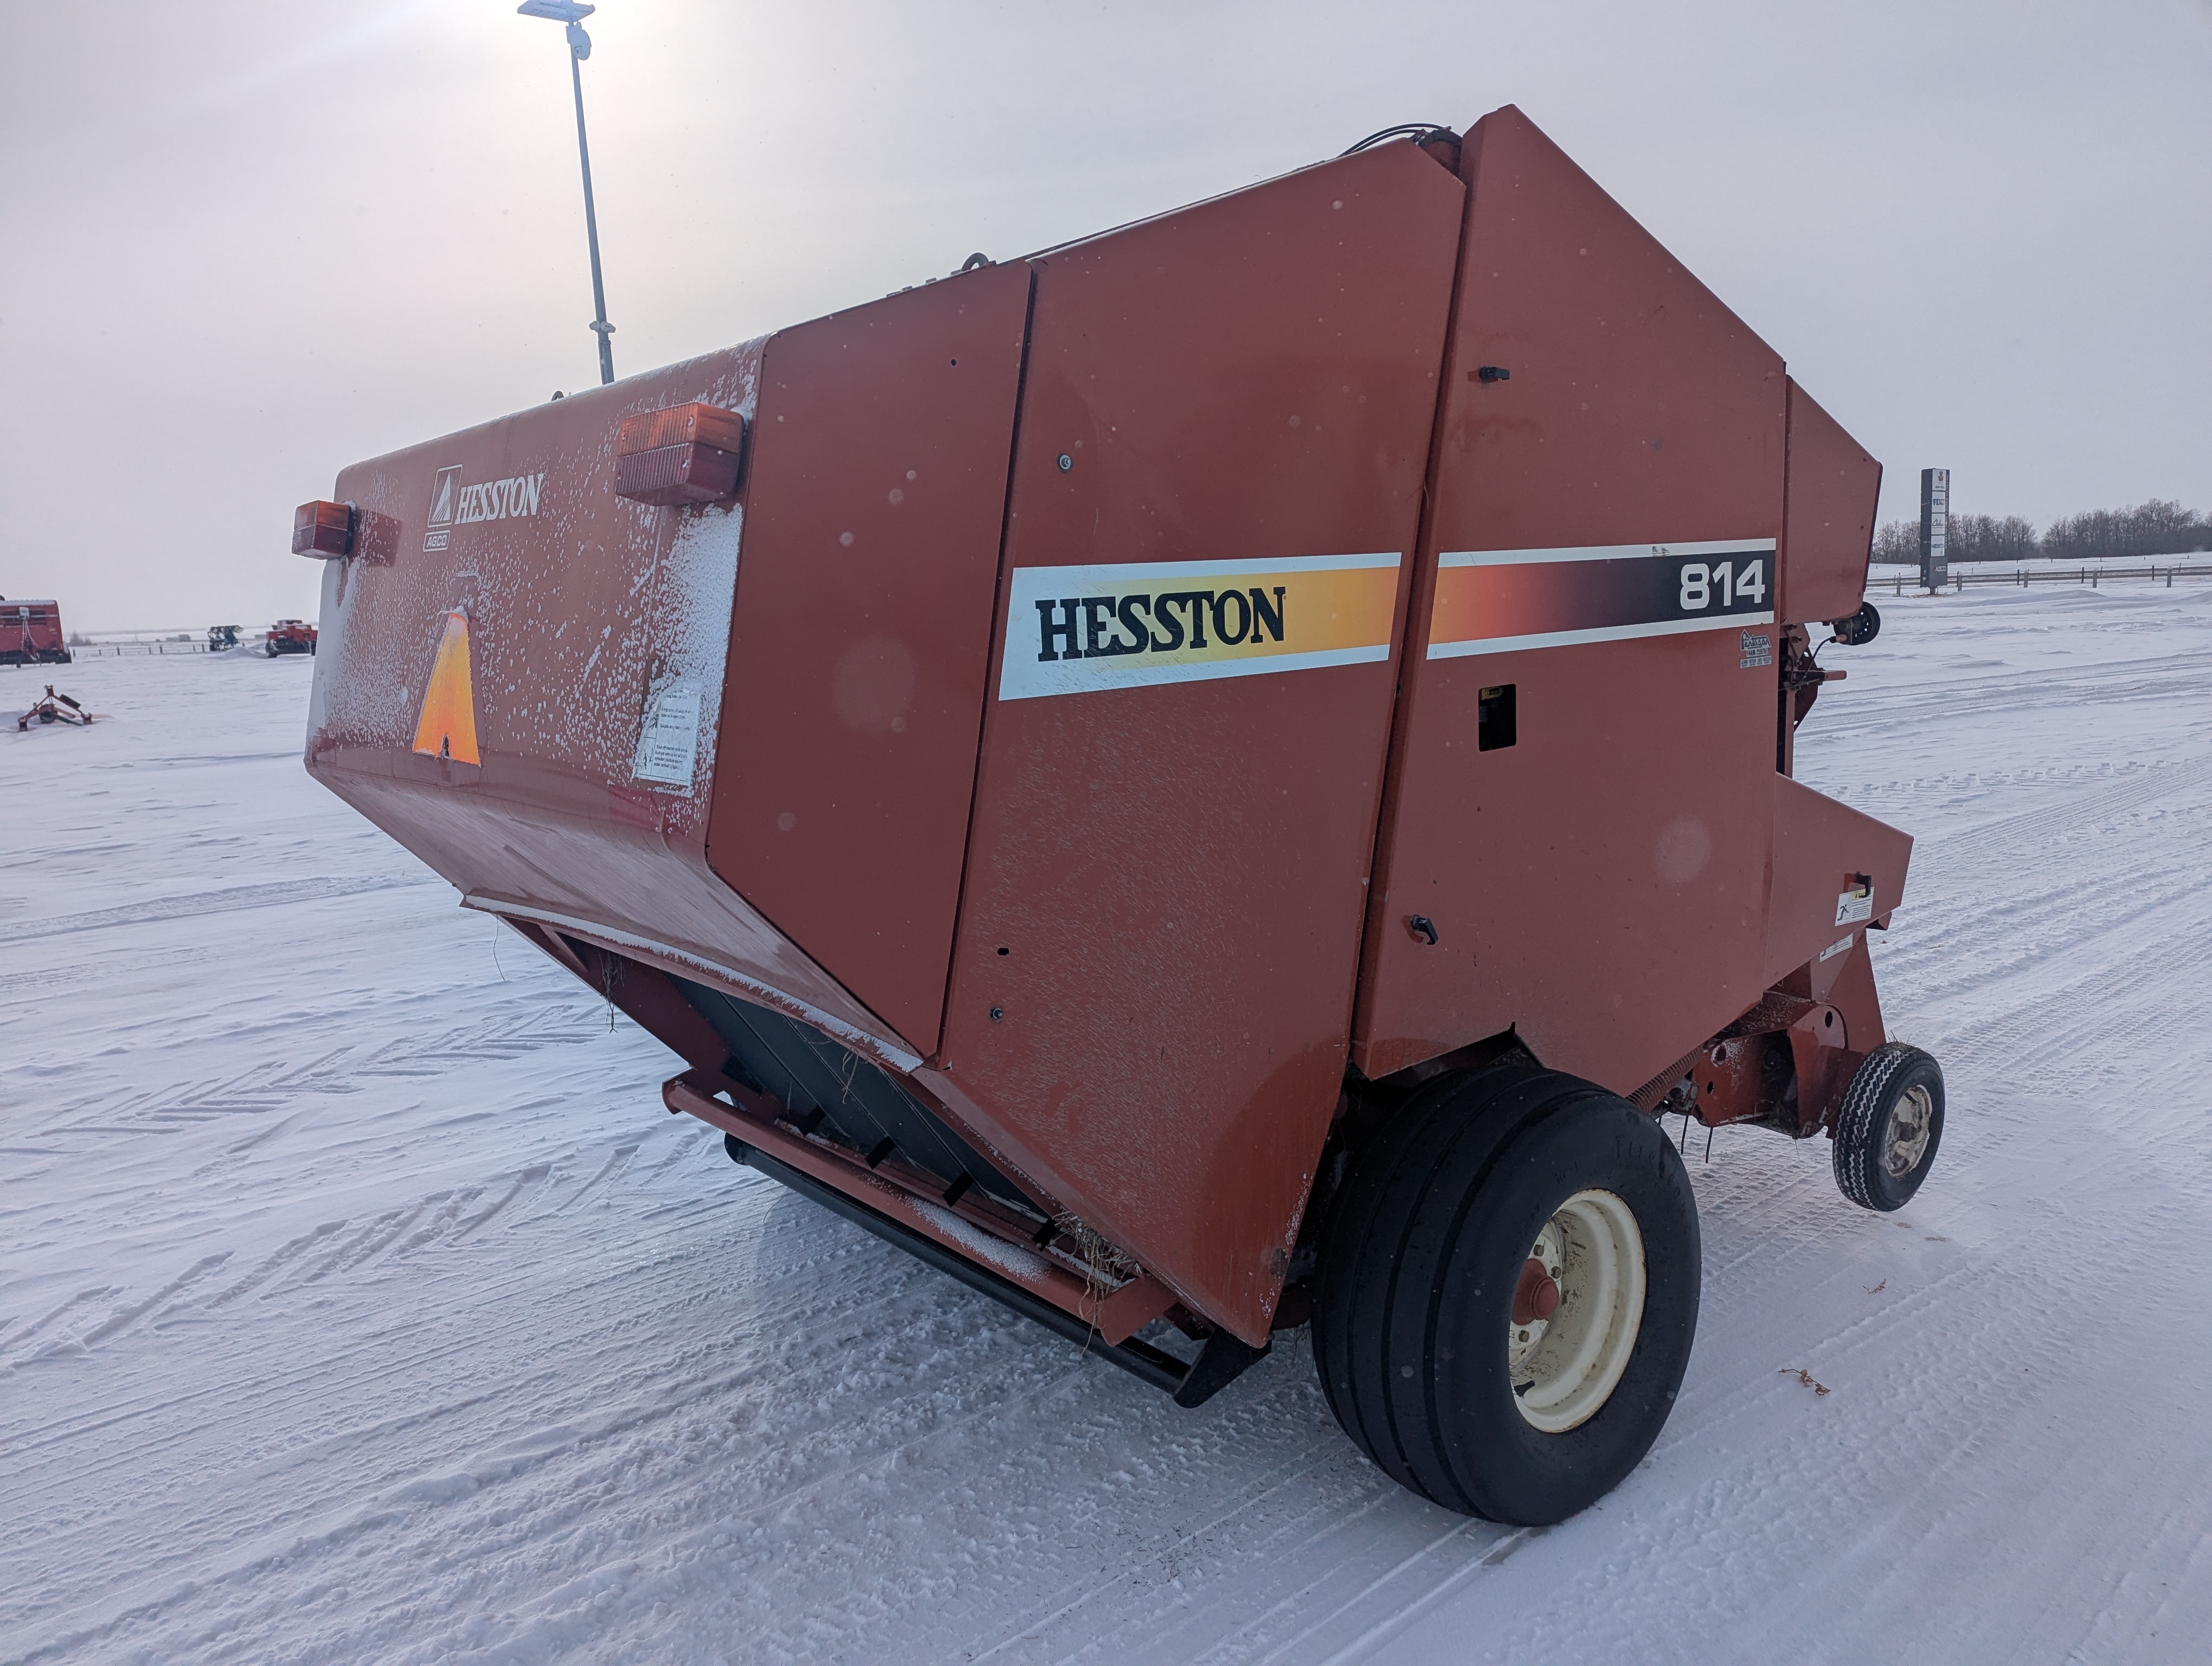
(1852, 1153)
(1384, 1284)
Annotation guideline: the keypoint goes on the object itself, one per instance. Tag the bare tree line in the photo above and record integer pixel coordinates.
(2155, 528)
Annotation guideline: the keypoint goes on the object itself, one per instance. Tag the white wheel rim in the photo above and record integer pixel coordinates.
(1905, 1142)
(1564, 1368)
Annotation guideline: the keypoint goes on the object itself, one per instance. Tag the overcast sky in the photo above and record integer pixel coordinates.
(246, 242)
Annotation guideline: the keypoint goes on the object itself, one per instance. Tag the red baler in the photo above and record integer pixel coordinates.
(288, 637)
(1220, 777)
(31, 634)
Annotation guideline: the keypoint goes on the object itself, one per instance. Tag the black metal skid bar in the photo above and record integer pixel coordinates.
(1222, 1360)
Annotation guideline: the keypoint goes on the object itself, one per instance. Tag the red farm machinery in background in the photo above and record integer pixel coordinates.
(31, 634)
(288, 637)
(51, 708)
(1216, 778)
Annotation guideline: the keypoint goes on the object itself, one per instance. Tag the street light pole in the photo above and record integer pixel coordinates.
(573, 13)
(600, 325)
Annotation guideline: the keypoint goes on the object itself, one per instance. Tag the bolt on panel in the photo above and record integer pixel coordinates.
(861, 639)
(1827, 535)
(585, 701)
(1602, 540)
(1224, 424)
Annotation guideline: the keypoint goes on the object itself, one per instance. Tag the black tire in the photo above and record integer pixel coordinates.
(1876, 1165)
(1420, 1262)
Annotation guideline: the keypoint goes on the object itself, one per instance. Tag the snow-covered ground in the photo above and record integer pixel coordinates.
(359, 1302)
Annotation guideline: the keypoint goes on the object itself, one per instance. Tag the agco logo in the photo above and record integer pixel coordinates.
(455, 504)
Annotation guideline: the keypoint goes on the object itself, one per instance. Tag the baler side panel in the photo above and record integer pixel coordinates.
(862, 635)
(580, 613)
(1152, 974)
(1828, 530)
(1820, 849)
(1600, 883)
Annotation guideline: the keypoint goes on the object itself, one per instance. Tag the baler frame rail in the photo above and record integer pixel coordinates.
(760, 1132)
(1221, 1359)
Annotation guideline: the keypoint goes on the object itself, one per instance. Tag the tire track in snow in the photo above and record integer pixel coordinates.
(274, 1263)
(14, 1342)
(888, 1304)
(1862, 709)
(2135, 941)
(529, 1179)
(277, 1084)
(196, 904)
(123, 1319)
(480, 1486)
(510, 1320)
(1968, 851)
(1170, 1562)
(51, 976)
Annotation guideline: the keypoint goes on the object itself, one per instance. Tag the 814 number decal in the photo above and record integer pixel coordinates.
(1700, 579)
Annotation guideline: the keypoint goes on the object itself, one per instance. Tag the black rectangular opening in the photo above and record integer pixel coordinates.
(1494, 723)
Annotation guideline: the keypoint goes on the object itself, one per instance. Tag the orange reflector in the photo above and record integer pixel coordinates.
(681, 425)
(448, 728)
(682, 454)
(322, 530)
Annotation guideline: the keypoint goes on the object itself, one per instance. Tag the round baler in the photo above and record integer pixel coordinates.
(1218, 778)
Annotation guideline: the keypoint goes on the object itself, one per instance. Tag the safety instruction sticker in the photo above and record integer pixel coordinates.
(668, 740)
(1072, 629)
(1498, 601)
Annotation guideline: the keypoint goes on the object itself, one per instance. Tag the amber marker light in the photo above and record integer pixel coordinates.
(322, 530)
(680, 454)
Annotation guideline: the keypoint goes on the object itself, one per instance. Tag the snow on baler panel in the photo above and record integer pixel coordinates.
(1223, 429)
(490, 658)
(862, 636)
(1591, 862)
(1827, 533)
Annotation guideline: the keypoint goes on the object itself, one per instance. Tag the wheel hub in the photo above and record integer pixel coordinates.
(1905, 1142)
(1577, 1308)
(1537, 1296)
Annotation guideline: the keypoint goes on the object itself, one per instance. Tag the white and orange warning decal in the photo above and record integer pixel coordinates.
(1074, 630)
(447, 726)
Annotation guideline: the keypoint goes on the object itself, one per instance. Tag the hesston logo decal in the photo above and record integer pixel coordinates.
(1496, 601)
(455, 504)
(1070, 629)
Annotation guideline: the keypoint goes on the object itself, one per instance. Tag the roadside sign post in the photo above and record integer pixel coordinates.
(1935, 528)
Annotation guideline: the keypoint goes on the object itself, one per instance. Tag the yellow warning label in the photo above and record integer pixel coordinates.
(447, 727)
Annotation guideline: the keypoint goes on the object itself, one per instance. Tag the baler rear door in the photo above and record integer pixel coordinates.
(1581, 802)
(520, 679)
